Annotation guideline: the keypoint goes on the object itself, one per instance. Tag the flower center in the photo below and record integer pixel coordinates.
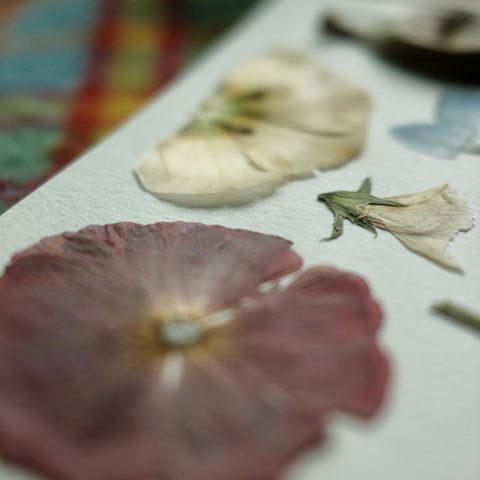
(216, 109)
(180, 332)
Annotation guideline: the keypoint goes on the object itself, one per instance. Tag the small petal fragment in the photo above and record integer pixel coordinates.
(460, 107)
(440, 140)
(279, 116)
(456, 129)
(129, 352)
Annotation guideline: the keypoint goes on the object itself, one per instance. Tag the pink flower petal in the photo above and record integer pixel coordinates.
(315, 343)
(83, 367)
(211, 266)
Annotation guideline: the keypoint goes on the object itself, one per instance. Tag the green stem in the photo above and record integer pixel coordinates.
(458, 314)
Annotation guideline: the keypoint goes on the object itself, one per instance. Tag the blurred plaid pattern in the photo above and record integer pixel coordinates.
(71, 70)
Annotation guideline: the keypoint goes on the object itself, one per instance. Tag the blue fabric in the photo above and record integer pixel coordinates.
(45, 46)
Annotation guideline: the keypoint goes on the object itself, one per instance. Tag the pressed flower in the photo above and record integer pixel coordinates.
(456, 130)
(150, 352)
(435, 40)
(424, 222)
(279, 116)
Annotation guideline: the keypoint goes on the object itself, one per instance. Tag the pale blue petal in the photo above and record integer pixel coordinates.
(460, 107)
(436, 140)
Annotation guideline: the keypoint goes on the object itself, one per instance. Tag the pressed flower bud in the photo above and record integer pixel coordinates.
(424, 222)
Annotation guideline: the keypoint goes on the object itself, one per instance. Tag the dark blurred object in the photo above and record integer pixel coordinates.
(437, 41)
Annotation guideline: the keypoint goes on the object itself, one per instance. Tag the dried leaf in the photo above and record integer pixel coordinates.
(279, 116)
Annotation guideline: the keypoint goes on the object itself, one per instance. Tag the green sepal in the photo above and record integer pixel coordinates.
(346, 205)
(337, 228)
(366, 185)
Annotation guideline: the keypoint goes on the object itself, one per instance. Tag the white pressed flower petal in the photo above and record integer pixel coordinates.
(203, 168)
(332, 105)
(277, 148)
(296, 90)
(321, 117)
(431, 248)
(277, 71)
(427, 223)
(282, 75)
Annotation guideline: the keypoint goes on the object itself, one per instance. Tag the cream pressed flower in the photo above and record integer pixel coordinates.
(424, 222)
(279, 116)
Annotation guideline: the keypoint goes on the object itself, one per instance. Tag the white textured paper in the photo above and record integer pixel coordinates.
(429, 427)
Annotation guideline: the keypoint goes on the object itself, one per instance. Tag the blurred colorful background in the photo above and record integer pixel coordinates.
(71, 70)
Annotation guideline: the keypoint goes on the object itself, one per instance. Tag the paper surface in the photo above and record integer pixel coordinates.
(429, 427)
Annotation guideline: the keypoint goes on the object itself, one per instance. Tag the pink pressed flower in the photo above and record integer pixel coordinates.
(134, 352)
